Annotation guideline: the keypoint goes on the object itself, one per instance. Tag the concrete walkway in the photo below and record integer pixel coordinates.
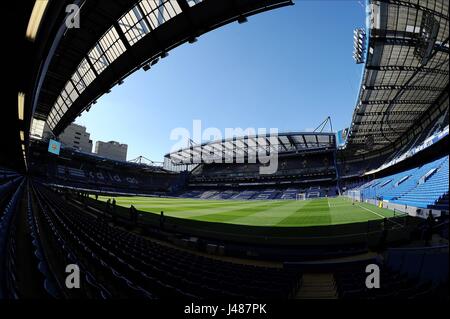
(317, 286)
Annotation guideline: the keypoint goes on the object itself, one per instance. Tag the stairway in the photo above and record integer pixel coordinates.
(317, 286)
(441, 203)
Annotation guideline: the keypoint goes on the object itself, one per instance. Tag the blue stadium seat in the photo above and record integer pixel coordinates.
(419, 187)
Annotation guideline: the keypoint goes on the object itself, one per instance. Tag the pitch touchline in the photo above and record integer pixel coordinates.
(369, 210)
(377, 214)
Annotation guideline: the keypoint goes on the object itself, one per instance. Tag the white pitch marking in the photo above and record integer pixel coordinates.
(369, 210)
(379, 215)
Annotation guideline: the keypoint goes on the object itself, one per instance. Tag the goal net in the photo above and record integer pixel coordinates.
(300, 196)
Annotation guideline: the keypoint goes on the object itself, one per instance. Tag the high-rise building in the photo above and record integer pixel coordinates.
(75, 136)
(112, 150)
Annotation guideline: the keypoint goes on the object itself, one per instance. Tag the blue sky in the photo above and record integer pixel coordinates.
(287, 69)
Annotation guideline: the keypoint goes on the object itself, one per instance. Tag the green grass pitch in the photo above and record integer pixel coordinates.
(283, 213)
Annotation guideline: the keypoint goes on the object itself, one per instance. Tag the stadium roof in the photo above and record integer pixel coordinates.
(248, 146)
(119, 37)
(406, 73)
(17, 70)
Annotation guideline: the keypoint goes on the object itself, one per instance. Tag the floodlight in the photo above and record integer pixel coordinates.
(21, 102)
(36, 19)
(242, 20)
(359, 37)
(154, 62)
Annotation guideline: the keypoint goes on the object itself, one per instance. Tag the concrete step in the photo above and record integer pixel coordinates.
(317, 286)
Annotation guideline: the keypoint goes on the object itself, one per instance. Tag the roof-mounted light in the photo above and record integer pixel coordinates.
(36, 19)
(20, 105)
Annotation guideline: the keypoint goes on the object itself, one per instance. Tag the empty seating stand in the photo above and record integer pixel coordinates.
(394, 283)
(122, 264)
(245, 195)
(430, 191)
(290, 193)
(6, 216)
(424, 187)
(429, 264)
(267, 194)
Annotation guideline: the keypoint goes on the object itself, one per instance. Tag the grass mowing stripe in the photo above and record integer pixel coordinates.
(312, 213)
(174, 205)
(270, 216)
(186, 206)
(206, 212)
(282, 213)
(227, 214)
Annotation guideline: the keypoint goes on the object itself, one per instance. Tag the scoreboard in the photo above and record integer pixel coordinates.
(54, 147)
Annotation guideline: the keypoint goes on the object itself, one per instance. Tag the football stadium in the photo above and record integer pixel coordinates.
(356, 213)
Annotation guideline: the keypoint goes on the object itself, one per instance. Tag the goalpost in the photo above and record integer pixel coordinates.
(355, 195)
(300, 196)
